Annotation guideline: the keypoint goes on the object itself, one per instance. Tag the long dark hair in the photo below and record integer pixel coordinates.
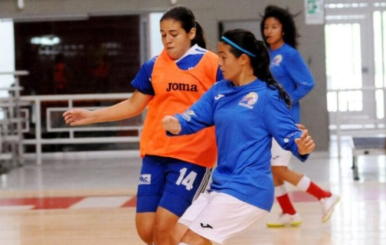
(260, 63)
(287, 21)
(188, 21)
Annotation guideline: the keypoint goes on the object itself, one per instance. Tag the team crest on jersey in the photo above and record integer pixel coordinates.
(145, 179)
(187, 115)
(249, 100)
(277, 60)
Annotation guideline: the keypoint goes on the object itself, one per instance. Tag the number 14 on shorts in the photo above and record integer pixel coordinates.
(186, 179)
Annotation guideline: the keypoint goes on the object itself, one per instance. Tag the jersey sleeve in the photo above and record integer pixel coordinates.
(302, 76)
(142, 81)
(199, 116)
(282, 126)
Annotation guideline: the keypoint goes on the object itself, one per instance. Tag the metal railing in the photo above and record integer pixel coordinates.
(37, 103)
(339, 122)
(11, 121)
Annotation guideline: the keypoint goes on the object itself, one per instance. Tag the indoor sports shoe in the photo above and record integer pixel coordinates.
(328, 205)
(286, 219)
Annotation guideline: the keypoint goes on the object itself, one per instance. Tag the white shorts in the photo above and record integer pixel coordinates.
(280, 157)
(218, 216)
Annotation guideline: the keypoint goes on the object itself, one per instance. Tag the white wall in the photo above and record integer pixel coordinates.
(155, 37)
(7, 57)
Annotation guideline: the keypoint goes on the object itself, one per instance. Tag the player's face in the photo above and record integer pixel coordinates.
(273, 32)
(175, 39)
(230, 66)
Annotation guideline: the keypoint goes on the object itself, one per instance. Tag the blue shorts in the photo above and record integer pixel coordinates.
(170, 183)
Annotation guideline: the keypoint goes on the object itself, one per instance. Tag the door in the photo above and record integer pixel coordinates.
(355, 76)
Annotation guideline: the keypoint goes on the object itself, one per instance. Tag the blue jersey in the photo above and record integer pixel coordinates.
(246, 118)
(142, 81)
(289, 69)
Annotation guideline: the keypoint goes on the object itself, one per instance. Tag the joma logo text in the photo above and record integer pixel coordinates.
(182, 86)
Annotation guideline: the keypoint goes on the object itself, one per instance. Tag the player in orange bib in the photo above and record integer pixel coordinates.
(175, 170)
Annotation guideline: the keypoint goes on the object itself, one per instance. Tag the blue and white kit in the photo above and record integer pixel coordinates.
(289, 70)
(245, 118)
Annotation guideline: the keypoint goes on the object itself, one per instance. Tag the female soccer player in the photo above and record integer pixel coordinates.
(174, 170)
(248, 109)
(288, 68)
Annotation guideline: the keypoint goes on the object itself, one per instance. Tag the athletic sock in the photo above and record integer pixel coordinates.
(284, 200)
(318, 192)
(305, 184)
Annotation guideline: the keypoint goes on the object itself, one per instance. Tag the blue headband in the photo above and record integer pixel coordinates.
(237, 46)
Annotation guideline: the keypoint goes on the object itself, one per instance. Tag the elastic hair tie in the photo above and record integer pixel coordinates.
(237, 46)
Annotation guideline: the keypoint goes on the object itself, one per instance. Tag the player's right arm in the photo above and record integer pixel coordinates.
(125, 109)
(129, 108)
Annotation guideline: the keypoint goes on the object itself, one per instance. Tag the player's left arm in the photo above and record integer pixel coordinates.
(302, 76)
(288, 134)
(197, 117)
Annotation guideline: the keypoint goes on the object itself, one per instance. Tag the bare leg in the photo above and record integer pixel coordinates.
(163, 225)
(276, 180)
(192, 238)
(145, 224)
(177, 233)
(283, 173)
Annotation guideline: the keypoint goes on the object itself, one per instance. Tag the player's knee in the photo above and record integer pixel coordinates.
(279, 172)
(174, 239)
(192, 236)
(161, 234)
(145, 235)
(177, 233)
(163, 226)
(161, 229)
(144, 226)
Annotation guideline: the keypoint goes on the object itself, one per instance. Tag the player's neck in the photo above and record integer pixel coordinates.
(276, 45)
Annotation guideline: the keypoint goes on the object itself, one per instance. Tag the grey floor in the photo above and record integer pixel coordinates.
(107, 173)
(359, 218)
(120, 171)
(75, 174)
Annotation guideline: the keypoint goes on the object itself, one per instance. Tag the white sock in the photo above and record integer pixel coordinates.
(304, 183)
(280, 190)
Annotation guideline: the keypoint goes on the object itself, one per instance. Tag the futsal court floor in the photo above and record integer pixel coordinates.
(91, 200)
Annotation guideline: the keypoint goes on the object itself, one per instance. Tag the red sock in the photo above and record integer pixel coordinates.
(317, 192)
(286, 204)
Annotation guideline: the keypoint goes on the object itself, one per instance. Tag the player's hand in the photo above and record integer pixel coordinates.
(76, 117)
(300, 126)
(171, 124)
(305, 143)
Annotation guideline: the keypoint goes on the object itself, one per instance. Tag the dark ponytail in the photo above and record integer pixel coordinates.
(199, 39)
(260, 63)
(188, 21)
(261, 70)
